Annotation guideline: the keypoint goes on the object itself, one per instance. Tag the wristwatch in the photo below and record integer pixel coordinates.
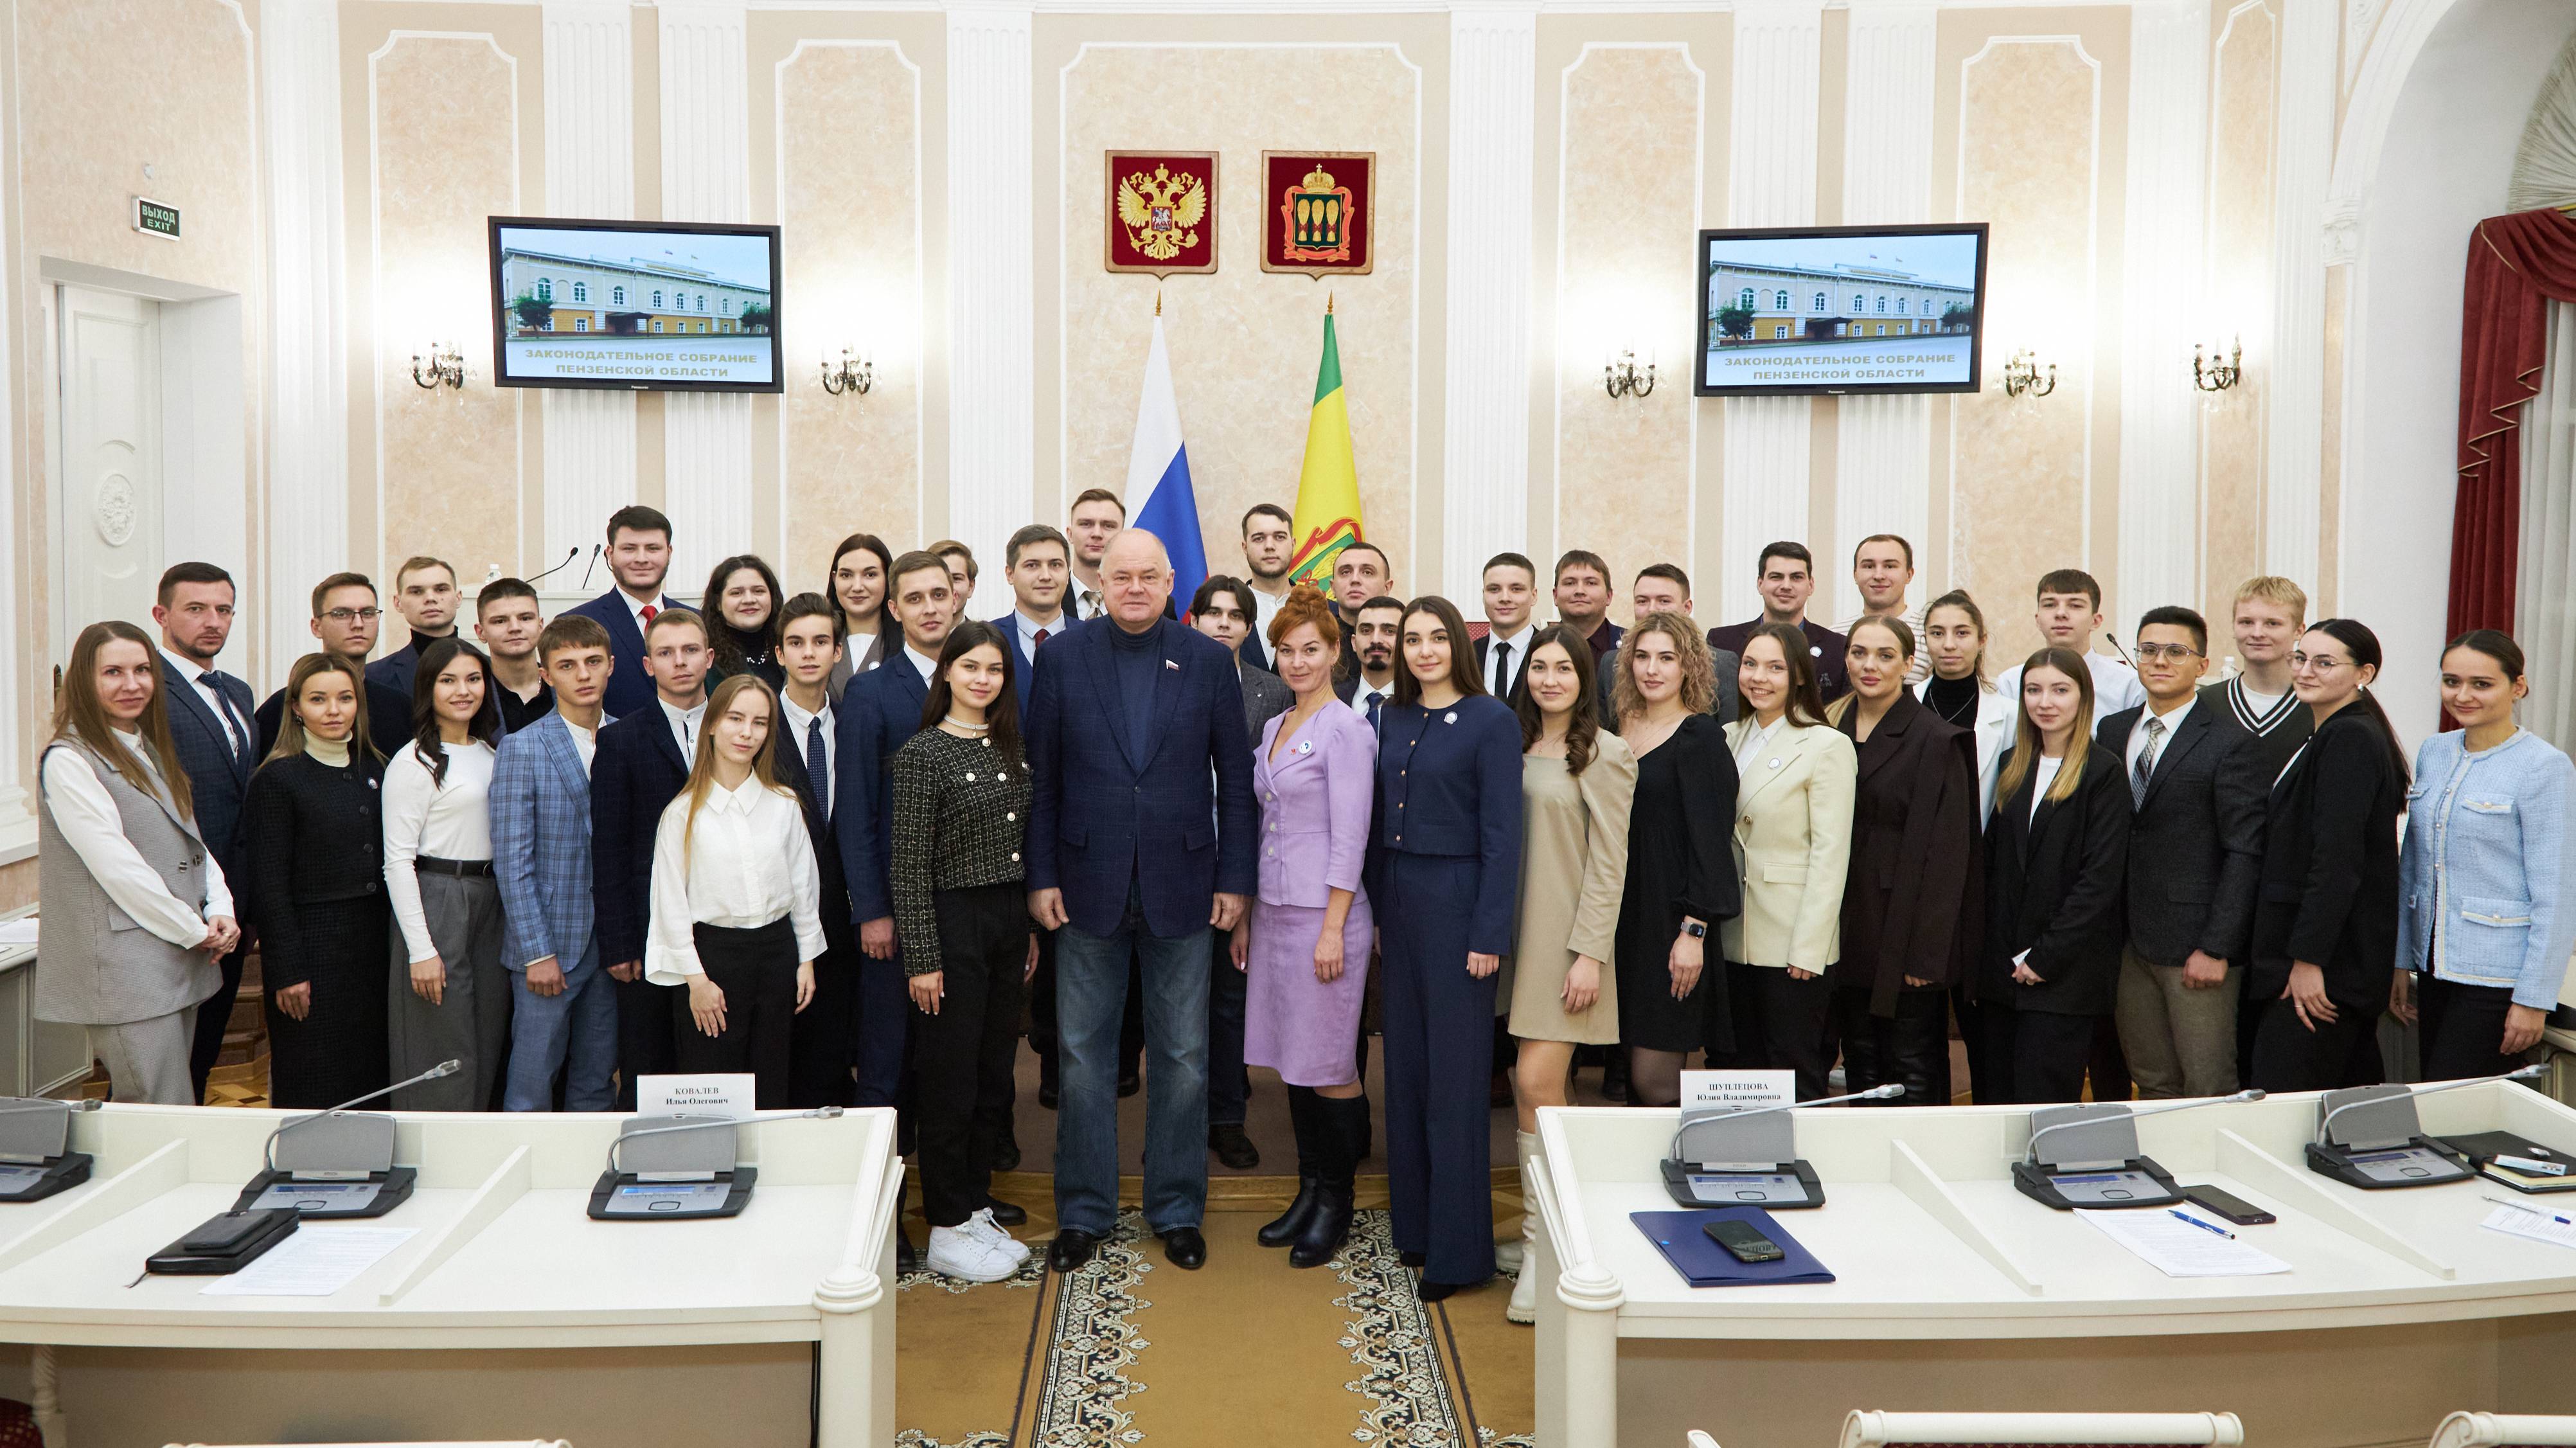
(1694, 929)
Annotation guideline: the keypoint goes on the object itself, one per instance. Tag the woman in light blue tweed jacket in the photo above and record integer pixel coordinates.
(2488, 910)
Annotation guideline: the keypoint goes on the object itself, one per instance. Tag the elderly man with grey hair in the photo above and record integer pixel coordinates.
(1140, 841)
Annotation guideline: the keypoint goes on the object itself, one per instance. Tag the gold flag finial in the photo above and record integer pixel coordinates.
(1328, 304)
(1158, 301)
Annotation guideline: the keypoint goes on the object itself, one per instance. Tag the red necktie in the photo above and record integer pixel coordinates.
(1042, 638)
(649, 611)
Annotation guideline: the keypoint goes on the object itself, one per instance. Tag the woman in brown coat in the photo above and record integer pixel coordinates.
(1911, 903)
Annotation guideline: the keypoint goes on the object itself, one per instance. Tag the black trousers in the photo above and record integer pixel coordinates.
(961, 1057)
(1780, 1025)
(823, 1041)
(2290, 1057)
(647, 1032)
(2030, 1058)
(1910, 1049)
(213, 1015)
(2106, 1065)
(1041, 992)
(1229, 1084)
(756, 970)
(2459, 1028)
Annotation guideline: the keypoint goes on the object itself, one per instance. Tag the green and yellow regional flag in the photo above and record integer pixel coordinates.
(1328, 486)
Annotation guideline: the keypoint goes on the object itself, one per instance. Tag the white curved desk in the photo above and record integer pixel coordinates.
(509, 1313)
(1956, 1293)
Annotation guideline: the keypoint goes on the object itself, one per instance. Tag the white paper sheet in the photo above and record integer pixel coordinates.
(315, 1262)
(2178, 1249)
(2534, 1223)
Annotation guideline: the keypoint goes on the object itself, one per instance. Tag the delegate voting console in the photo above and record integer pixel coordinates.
(1956, 1290)
(508, 1311)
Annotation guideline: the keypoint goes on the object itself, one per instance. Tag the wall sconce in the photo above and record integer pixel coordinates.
(441, 366)
(852, 373)
(2021, 376)
(1621, 376)
(2212, 375)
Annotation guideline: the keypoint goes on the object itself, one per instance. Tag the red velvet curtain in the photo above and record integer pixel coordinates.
(2517, 265)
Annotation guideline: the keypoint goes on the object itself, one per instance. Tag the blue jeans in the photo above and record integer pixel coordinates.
(1091, 994)
(575, 1032)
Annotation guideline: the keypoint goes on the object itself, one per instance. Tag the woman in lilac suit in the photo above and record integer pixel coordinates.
(1305, 943)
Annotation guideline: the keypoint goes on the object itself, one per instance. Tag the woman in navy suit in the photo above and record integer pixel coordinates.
(1444, 864)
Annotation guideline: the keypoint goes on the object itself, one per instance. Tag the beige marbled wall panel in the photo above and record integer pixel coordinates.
(2019, 472)
(1243, 341)
(1628, 186)
(448, 476)
(850, 197)
(2243, 71)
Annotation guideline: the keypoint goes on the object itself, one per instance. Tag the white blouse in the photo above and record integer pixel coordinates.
(445, 821)
(748, 862)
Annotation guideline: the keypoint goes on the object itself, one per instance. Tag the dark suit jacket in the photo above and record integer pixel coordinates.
(629, 691)
(1111, 813)
(1266, 696)
(1519, 688)
(218, 774)
(395, 669)
(637, 772)
(1913, 903)
(1023, 672)
(2053, 888)
(2329, 888)
(1824, 646)
(877, 715)
(838, 935)
(2196, 844)
(388, 720)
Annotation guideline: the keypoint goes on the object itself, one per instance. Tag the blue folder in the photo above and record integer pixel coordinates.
(1681, 1237)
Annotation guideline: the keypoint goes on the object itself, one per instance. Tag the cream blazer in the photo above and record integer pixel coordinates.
(1997, 715)
(1793, 821)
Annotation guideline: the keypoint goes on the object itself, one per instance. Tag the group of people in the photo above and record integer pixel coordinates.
(858, 844)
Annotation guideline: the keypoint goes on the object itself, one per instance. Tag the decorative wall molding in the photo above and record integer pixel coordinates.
(706, 176)
(2161, 292)
(1493, 97)
(2294, 450)
(992, 307)
(589, 467)
(307, 512)
(2377, 82)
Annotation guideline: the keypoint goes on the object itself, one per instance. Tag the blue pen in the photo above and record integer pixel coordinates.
(2197, 1222)
(2535, 1211)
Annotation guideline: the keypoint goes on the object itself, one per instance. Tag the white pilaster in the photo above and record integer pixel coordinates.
(1882, 444)
(706, 166)
(992, 306)
(1493, 91)
(308, 388)
(2163, 238)
(1771, 181)
(2294, 448)
(590, 172)
(17, 817)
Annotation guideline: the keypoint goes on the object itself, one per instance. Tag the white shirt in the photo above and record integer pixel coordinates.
(2115, 685)
(585, 742)
(1755, 737)
(684, 724)
(1029, 632)
(922, 664)
(449, 821)
(635, 606)
(1496, 683)
(235, 726)
(1265, 607)
(1361, 696)
(748, 862)
(86, 814)
(2043, 773)
(798, 724)
(2164, 741)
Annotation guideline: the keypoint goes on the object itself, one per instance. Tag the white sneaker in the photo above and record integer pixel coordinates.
(960, 1253)
(1524, 1304)
(983, 1226)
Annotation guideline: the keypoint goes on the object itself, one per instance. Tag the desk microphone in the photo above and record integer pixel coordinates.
(2411, 1091)
(569, 555)
(40, 1103)
(2250, 1093)
(1876, 1093)
(819, 1113)
(595, 550)
(2123, 653)
(268, 1153)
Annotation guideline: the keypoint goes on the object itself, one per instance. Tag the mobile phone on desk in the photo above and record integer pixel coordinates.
(2227, 1204)
(1744, 1241)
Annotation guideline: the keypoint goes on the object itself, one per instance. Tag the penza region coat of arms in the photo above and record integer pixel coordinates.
(1161, 212)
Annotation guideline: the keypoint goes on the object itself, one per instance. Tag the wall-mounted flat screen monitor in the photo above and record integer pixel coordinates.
(639, 305)
(1842, 309)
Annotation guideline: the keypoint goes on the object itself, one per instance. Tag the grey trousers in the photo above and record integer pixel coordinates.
(148, 1060)
(2179, 1041)
(471, 1022)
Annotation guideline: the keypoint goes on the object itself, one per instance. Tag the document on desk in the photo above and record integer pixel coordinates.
(2178, 1248)
(2555, 1228)
(316, 1261)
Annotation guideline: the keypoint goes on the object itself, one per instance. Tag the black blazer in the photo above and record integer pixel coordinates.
(1913, 902)
(637, 772)
(839, 935)
(1519, 689)
(2196, 844)
(2329, 884)
(2053, 888)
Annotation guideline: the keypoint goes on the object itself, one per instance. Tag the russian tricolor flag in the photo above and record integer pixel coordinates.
(1158, 493)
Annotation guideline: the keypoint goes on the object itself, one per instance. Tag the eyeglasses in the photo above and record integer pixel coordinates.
(346, 615)
(2322, 663)
(2175, 652)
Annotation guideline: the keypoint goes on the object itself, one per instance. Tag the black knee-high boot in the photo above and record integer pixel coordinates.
(1302, 1116)
(1345, 1121)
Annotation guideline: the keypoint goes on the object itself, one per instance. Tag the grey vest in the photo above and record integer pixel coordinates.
(95, 966)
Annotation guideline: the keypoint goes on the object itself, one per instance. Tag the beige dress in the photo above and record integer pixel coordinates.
(1574, 864)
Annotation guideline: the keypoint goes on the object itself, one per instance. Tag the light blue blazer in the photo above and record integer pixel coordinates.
(2486, 861)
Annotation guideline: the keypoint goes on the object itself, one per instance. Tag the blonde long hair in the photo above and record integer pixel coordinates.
(2025, 750)
(702, 768)
(1699, 674)
(80, 716)
(290, 724)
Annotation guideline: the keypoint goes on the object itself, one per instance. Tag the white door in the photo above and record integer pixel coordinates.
(107, 533)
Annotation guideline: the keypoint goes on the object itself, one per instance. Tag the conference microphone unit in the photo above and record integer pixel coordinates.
(335, 1163)
(2371, 1137)
(1725, 1156)
(35, 1159)
(679, 1168)
(2095, 1162)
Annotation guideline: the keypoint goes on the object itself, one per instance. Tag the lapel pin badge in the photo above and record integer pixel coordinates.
(1175, 668)
(1449, 718)
(1305, 746)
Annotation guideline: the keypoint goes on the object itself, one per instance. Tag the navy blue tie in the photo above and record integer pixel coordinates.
(1372, 710)
(816, 766)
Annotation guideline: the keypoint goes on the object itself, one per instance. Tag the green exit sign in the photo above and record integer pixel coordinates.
(154, 219)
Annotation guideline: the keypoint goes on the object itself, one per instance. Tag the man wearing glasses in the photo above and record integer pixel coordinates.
(345, 618)
(2195, 858)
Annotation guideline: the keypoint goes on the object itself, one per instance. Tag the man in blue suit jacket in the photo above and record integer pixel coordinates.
(639, 553)
(563, 1017)
(878, 713)
(1140, 841)
(218, 748)
(643, 765)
